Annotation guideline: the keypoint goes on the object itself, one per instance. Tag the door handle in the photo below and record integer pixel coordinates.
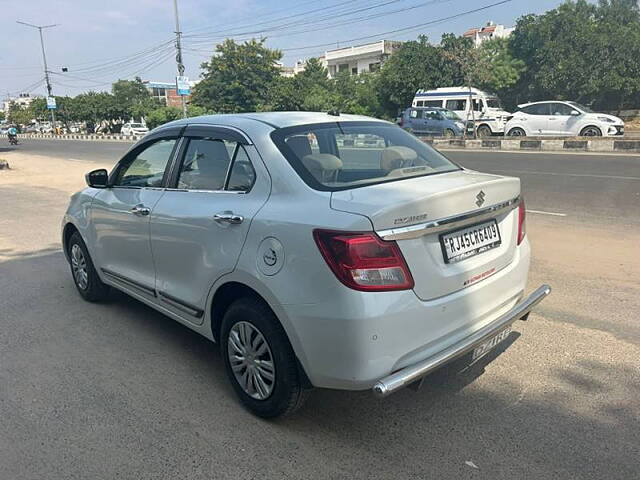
(228, 217)
(140, 210)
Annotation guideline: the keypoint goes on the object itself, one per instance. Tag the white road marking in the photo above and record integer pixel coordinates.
(547, 213)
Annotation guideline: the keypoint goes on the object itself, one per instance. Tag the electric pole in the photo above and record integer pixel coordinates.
(179, 56)
(46, 68)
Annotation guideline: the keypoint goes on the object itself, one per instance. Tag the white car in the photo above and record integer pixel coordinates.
(556, 118)
(313, 258)
(134, 129)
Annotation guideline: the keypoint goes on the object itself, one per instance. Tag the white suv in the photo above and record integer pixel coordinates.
(318, 250)
(557, 118)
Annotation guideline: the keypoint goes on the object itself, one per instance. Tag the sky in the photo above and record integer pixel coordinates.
(101, 41)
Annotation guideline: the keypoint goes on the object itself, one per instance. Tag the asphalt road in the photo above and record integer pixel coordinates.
(116, 390)
(598, 188)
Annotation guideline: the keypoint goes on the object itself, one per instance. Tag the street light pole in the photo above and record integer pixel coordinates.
(179, 55)
(46, 68)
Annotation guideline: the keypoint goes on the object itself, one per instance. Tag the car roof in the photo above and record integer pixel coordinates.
(522, 105)
(275, 119)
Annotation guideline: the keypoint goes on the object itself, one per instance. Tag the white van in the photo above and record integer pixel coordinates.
(489, 116)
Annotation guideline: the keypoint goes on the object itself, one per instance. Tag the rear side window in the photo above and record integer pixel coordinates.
(356, 154)
(457, 104)
(537, 109)
(212, 164)
(433, 103)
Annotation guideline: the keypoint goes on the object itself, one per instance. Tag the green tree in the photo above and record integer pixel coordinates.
(504, 69)
(162, 115)
(238, 77)
(132, 98)
(291, 93)
(580, 51)
(20, 115)
(416, 64)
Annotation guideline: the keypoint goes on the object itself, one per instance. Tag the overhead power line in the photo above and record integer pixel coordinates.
(328, 23)
(253, 24)
(401, 30)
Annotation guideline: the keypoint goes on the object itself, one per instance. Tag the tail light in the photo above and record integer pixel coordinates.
(363, 261)
(522, 221)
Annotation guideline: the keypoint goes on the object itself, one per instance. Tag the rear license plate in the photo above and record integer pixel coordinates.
(470, 241)
(487, 346)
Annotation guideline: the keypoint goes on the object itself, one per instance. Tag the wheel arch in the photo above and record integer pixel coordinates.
(519, 127)
(590, 125)
(230, 291)
(68, 230)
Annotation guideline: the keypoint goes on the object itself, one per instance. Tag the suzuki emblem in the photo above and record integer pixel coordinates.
(480, 198)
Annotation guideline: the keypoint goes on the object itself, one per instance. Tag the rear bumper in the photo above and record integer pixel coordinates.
(411, 373)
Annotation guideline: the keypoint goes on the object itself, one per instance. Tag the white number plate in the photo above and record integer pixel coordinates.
(489, 344)
(469, 241)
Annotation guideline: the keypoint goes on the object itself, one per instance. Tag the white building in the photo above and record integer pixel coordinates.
(360, 58)
(292, 71)
(489, 31)
(24, 100)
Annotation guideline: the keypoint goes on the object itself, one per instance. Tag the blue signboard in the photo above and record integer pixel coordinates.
(182, 85)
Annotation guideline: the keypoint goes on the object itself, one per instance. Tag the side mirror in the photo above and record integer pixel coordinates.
(575, 113)
(97, 178)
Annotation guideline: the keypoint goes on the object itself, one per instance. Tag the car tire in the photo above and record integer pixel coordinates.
(591, 131)
(483, 131)
(248, 325)
(448, 133)
(516, 132)
(85, 276)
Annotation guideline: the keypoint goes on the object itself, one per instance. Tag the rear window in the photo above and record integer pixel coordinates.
(340, 156)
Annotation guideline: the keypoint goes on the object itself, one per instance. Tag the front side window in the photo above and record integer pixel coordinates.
(581, 107)
(560, 109)
(212, 164)
(493, 102)
(449, 115)
(356, 154)
(146, 168)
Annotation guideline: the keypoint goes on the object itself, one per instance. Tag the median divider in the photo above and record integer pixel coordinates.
(78, 136)
(553, 144)
(546, 144)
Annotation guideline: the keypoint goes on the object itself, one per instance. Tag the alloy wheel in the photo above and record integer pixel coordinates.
(591, 132)
(251, 360)
(79, 267)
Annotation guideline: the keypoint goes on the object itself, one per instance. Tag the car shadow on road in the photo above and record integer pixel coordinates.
(139, 377)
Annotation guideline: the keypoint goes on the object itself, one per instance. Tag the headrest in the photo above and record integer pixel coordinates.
(322, 165)
(300, 145)
(392, 158)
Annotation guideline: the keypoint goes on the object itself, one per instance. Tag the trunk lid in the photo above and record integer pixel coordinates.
(419, 200)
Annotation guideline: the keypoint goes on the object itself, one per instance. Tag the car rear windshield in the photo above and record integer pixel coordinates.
(137, 125)
(344, 155)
